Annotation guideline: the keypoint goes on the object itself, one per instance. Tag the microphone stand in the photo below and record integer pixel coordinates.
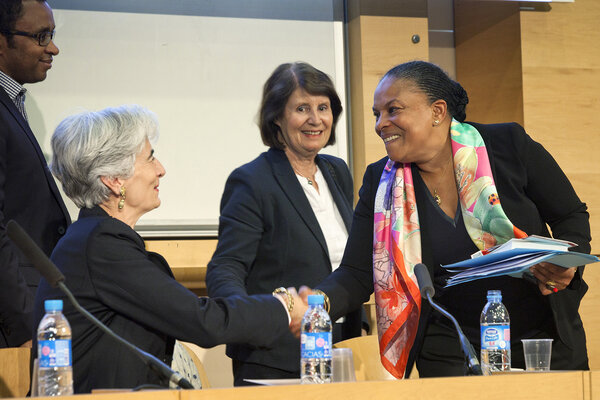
(467, 348)
(427, 291)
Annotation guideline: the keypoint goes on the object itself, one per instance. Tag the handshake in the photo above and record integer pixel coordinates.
(296, 303)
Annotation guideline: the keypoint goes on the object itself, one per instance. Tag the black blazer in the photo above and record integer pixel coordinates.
(28, 194)
(269, 237)
(533, 191)
(134, 293)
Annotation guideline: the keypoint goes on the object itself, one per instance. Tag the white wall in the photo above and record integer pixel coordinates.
(202, 75)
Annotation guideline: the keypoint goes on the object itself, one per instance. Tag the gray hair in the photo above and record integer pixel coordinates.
(92, 144)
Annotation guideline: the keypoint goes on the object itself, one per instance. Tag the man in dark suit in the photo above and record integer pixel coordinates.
(28, 193)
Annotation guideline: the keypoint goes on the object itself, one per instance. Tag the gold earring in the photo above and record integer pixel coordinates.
(436, 122)
(122, 201)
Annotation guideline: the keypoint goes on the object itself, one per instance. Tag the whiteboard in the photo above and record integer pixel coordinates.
(202, 75)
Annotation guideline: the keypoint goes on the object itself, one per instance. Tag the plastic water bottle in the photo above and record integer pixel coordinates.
(315, 343)
(55, 372)
(495, 335)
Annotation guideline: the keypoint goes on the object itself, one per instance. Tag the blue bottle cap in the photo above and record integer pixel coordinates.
(53, 305)
(494, 295)
(315, 299)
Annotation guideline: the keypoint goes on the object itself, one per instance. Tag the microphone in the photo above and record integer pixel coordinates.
(56, 279)
(427, 292)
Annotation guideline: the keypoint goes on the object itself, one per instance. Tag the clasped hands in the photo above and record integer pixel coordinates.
(297, 304)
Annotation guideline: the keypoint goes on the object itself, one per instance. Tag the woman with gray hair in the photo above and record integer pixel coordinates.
(107, 166)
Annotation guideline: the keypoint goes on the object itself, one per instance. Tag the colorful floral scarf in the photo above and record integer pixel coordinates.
(397, 238)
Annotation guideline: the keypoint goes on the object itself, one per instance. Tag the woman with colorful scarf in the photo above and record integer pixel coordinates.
(446, 190)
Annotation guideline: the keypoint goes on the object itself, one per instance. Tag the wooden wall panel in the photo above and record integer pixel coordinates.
(561, 99)
(188, 260)
(537, 68)
(561, 93)
(488, 59)
(376, 44)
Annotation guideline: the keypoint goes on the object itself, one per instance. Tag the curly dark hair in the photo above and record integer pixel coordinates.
(10, 12)
(435, 83)
(279, 87)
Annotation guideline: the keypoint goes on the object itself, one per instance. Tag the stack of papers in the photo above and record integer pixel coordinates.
(533, 242)
(515, 258)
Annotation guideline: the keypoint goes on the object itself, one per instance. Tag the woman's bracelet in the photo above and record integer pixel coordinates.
(290, 299)
(325, 298)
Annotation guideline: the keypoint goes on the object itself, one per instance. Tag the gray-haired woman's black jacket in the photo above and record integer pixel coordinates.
(133, 292)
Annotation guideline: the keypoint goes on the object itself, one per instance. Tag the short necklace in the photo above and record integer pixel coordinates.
(436, 195)
(310, 181)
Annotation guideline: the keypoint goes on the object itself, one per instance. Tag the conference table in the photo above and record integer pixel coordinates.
(576, 385)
